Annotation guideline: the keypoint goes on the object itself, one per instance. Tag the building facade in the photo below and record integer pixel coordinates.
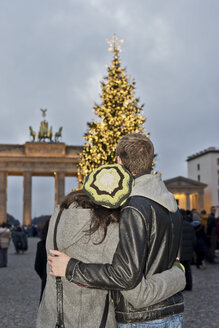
(204, 167)
(188, 193)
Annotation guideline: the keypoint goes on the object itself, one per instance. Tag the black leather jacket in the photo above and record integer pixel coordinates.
(149, 242)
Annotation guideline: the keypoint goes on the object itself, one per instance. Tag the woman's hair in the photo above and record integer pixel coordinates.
(101, 216)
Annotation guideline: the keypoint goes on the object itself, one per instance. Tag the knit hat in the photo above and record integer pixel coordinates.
(109, 185)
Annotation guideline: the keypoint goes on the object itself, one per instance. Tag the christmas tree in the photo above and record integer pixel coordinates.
(119, 114)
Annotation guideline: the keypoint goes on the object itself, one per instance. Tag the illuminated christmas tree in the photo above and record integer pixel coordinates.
(119, 115)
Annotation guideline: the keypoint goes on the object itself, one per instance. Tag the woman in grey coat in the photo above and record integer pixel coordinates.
(91, 233)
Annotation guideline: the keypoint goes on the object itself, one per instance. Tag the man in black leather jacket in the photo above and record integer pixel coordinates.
(150, 239)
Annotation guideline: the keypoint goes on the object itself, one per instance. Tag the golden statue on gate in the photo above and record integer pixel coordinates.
(45, 132)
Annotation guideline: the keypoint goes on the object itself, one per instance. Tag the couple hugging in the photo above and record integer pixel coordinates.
(112, 249)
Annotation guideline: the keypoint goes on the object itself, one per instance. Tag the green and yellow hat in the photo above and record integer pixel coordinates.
(109, 185)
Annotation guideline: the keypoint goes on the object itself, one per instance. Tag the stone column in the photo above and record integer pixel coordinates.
(201, 200)
(3, 197)
(187, 201)
(59, 187)
(27, 198)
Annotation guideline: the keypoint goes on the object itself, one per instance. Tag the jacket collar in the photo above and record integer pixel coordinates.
(151, 186)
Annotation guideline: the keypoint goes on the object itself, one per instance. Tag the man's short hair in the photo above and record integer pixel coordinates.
(136, 152)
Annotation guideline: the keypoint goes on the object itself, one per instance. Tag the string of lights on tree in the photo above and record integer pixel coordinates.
(119, 114)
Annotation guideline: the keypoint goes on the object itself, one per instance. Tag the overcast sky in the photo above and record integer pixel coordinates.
(53, 55)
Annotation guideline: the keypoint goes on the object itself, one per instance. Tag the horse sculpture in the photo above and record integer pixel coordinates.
(32, 133)
(58, 134)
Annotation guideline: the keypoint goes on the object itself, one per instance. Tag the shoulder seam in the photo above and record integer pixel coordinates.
(133, 208)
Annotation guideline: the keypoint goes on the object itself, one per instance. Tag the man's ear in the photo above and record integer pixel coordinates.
(119, 161)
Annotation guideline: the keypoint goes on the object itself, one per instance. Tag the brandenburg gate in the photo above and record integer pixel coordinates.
(40, 158)
(36, 159)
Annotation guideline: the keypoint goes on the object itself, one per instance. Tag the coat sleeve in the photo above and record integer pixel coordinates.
(128, 263)
(156, 288)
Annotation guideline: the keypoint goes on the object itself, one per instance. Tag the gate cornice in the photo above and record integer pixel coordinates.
(42, 159)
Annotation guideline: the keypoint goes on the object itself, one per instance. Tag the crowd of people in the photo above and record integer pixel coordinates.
(19, 236)
(200, 239)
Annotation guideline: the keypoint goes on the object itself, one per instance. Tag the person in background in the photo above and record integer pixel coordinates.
(5, 238)
(217, 223)
(188, 216)
(201, 248)
(188, 246)
(195, 215)
(20, 240)
(212, 235)
(41, 257)
(204, 219)
(34, 230)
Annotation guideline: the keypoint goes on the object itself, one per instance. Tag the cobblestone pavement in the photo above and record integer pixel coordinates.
(20, 290)
(202, 303)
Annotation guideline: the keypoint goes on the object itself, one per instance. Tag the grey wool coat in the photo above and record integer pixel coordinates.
(83, 307)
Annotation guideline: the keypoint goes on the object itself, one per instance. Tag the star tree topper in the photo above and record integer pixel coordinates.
(114, 44)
